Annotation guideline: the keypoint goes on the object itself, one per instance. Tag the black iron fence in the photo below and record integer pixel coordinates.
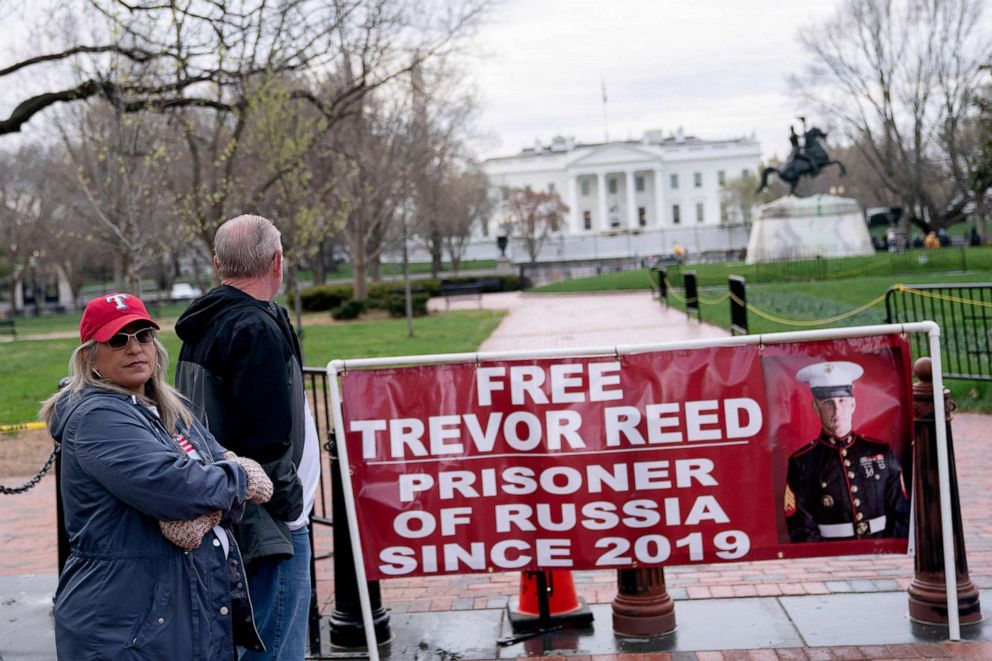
(910, 262)
(620, 273)
(330, 542)
(963, 312)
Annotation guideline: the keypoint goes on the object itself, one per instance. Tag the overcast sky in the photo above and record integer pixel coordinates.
(717, 68)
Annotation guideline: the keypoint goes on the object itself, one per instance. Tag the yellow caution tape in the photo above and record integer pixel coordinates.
(24, 426)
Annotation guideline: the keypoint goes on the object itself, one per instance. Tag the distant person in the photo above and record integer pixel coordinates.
(241, 363)
(153, 571)
(679, 252)
(891, 240)
(931, 241)
(842, 485)
(974, 239)
(943, 238)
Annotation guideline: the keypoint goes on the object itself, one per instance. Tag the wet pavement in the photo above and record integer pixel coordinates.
(820, 608)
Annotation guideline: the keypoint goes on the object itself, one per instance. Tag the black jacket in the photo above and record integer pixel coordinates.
(240, 362)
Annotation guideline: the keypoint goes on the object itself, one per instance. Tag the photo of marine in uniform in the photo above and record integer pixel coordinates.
(842, 486)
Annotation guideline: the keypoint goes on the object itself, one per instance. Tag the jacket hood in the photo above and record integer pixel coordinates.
(202, 312)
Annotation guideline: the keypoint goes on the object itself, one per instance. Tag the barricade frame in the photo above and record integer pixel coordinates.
(338, 366)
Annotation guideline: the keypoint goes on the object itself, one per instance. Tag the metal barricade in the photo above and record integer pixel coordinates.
(964, 313)
(345, 624)
(624, 273)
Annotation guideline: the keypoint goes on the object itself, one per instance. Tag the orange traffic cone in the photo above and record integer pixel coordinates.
(547, 599)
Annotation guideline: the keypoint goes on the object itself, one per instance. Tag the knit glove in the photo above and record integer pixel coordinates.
(259, 484)
(188, 534)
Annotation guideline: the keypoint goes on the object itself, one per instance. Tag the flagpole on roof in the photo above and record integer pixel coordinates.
(606, 124)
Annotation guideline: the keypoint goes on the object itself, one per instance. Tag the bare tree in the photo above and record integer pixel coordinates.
(44, 233)
(442, 111)
(981, 173)
(468, 204)
(117, 164)
(897, 76)
(534, 216)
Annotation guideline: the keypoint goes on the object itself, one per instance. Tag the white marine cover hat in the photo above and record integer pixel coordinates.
(834, 378)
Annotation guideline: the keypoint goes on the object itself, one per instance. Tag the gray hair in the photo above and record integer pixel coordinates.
(168, 401)
(244, 247)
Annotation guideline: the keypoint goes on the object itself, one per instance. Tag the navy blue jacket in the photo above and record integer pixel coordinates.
(127, 592)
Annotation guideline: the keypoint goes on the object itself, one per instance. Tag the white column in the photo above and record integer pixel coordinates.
(659, 198)
(631, 200)
(603, 222)
(573, 204)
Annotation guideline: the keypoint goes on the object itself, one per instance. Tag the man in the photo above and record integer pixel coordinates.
(841, 485)
(240, 362)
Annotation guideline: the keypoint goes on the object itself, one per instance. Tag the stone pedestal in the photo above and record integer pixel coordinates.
(809, 227)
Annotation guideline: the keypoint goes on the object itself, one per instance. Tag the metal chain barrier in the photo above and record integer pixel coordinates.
(705, 301)
(37, 477)
(812, 322)
(43, 470)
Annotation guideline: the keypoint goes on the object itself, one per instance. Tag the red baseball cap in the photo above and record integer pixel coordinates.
(105, 315)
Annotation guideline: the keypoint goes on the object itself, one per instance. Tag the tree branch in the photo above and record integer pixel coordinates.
(134, 54)
(30, 107)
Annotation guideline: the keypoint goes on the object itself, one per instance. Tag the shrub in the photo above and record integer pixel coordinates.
(396, 305)
(324, 297)
(350, 309)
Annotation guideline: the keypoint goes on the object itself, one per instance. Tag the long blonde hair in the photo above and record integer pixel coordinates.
(171, 406)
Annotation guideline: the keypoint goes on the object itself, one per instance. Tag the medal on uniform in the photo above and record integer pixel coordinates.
(827, 501)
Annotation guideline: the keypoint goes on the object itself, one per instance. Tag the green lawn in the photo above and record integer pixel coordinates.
(30, 369)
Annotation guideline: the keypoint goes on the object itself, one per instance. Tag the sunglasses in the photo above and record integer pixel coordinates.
(121, 340)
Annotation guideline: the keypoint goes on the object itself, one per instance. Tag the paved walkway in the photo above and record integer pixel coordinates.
(822, 608)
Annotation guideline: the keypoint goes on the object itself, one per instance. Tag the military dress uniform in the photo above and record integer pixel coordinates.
(846, 489)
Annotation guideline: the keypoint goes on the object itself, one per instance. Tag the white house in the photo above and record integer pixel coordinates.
(665, 185)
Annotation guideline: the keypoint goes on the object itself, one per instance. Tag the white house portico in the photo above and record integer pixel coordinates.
(632, 186)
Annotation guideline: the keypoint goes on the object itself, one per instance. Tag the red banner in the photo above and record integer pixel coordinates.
(659, 458)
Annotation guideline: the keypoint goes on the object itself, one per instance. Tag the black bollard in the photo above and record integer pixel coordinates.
(346, 626)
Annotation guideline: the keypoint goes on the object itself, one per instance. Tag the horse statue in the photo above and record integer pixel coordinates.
(807, 160)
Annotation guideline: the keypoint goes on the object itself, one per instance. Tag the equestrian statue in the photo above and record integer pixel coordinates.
(806, 160)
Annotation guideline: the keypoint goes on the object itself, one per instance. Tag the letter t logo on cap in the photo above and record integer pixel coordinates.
(119, 300)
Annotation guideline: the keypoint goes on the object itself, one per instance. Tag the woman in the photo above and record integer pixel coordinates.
(151, 574)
